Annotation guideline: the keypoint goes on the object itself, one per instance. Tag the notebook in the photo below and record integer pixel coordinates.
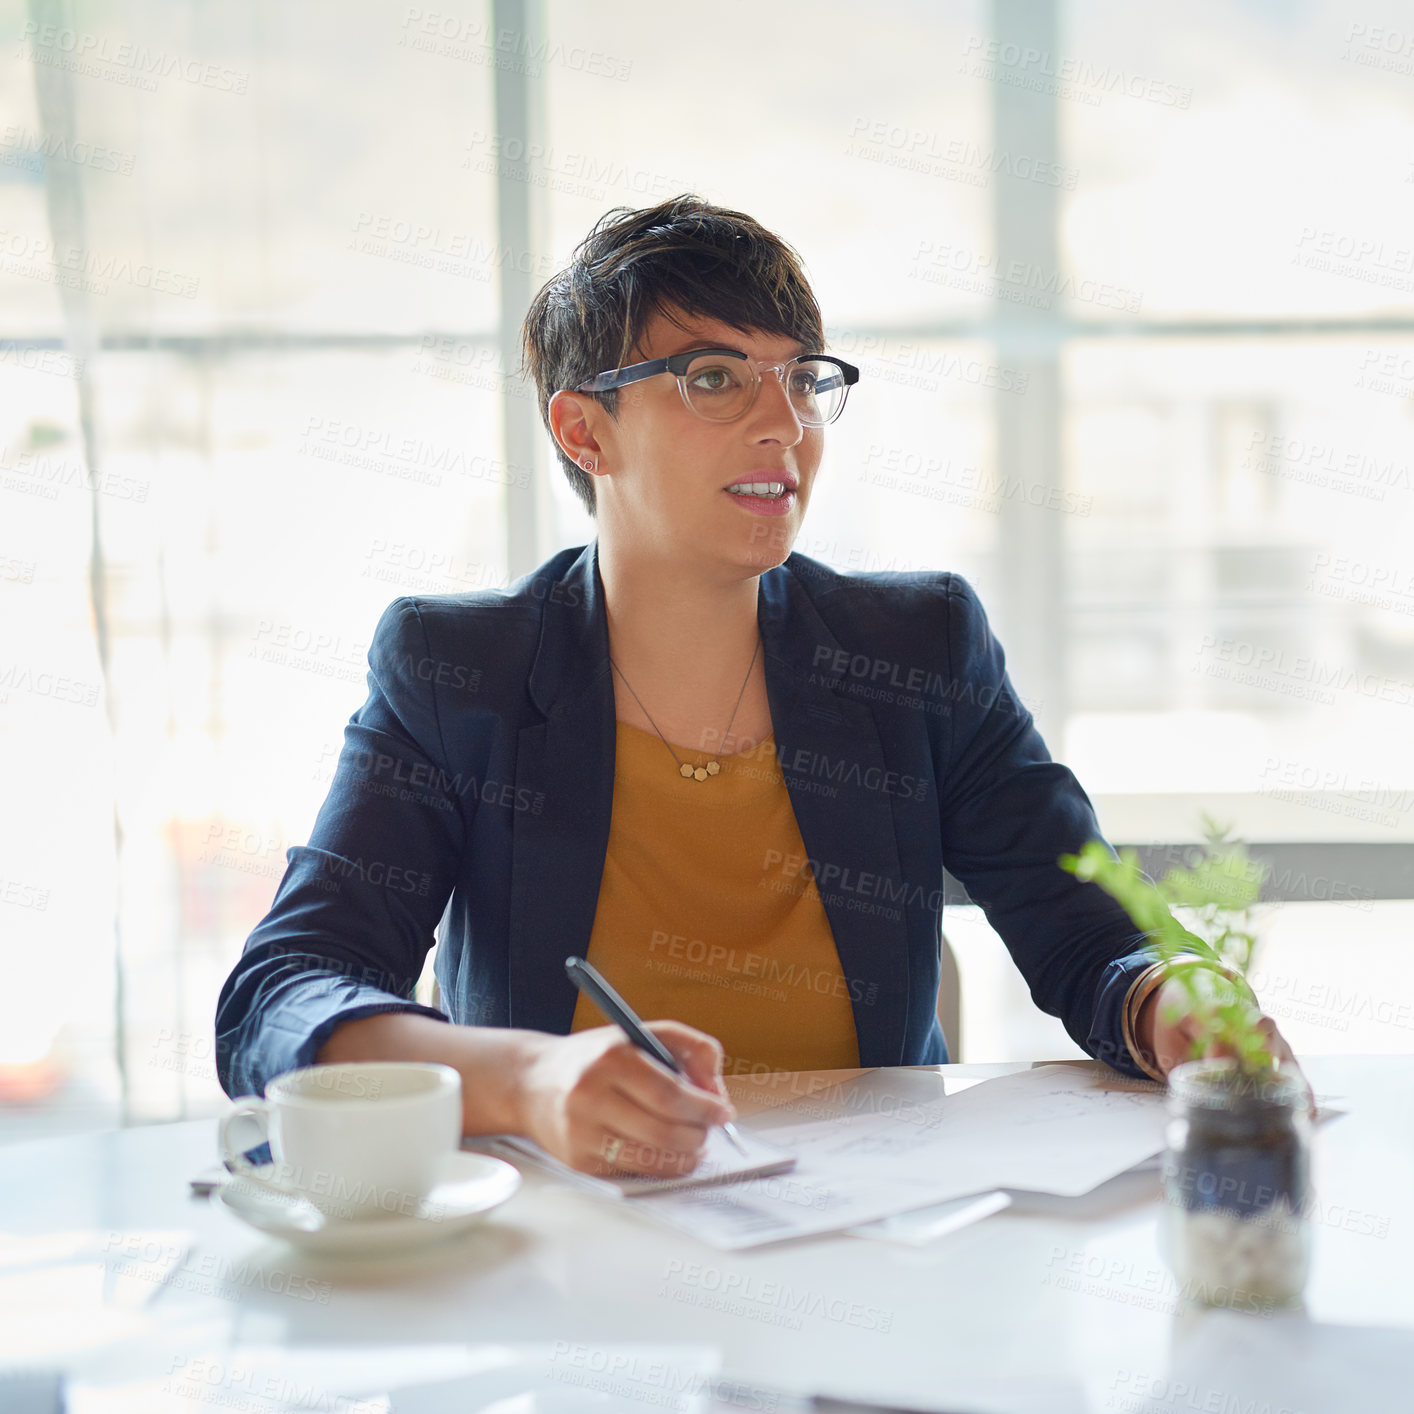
(721, 1163)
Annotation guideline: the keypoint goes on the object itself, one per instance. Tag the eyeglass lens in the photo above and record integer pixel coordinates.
(721, 388)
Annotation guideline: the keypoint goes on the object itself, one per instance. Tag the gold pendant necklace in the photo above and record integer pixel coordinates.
(687, 772)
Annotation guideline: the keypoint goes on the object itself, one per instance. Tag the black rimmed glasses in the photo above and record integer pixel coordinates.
(721, 384)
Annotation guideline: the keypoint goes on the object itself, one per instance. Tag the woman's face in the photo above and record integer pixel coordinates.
(667, 469)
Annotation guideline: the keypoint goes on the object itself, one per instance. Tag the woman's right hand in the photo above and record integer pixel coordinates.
(581, 1092)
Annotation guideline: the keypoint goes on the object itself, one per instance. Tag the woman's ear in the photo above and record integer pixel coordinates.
(569, 425)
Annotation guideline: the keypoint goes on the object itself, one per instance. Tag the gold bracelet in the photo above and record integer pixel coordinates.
(1143, 985)
(1149, 981)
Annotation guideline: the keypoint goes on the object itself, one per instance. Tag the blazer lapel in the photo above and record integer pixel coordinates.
(558, 855)
(826, 739)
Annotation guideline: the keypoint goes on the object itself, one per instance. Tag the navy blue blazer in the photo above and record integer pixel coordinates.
(475, 787)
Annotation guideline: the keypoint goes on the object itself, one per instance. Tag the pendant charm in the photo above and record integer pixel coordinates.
(699, 773)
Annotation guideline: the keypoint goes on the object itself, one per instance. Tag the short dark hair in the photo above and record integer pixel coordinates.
(705, 260)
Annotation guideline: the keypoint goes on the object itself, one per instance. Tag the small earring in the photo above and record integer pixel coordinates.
(588, 464)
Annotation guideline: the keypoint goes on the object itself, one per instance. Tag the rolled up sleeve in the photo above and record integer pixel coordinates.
(1008, 812)
(356, 910)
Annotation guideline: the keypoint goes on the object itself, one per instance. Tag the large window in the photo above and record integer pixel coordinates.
(1133, 304)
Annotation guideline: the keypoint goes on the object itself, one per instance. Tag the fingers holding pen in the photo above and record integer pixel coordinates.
(597, 1102)
(632, 1140)
(664, 1116)
(701, 1058)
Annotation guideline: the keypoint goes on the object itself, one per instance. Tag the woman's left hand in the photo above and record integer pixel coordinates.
(1170, 1042)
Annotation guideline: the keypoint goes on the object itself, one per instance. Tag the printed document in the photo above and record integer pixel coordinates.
(890, 1141)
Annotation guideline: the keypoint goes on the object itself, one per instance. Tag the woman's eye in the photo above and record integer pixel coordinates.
(719, 380)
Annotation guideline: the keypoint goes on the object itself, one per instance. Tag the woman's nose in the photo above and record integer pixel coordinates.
(773, 388)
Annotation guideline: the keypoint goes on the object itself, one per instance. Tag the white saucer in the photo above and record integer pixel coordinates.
(468, 1187)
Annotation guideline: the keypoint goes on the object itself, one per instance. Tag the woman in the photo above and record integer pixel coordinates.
(727, 775)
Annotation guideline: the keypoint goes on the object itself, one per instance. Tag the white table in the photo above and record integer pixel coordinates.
(1081, 1294)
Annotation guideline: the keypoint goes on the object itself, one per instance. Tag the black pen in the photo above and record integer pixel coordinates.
(590, 982)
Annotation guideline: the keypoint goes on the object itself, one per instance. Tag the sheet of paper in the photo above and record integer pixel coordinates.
(924, 1225)
(754, 1211)
(68, 1291)
(1054, 1129)
(721, 1163)
(1287, 1361)
(559, 1377)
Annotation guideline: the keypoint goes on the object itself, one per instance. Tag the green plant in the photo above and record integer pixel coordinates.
(1222, 887)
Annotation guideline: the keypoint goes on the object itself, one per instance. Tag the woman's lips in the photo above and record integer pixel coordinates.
(766, 505)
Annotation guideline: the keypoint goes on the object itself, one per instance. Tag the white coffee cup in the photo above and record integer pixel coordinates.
(359, 1140)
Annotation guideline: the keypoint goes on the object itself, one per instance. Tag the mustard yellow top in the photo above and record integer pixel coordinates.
(707, 913)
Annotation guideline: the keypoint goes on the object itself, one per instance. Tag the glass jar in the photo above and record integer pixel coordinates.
(1236, 1225)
